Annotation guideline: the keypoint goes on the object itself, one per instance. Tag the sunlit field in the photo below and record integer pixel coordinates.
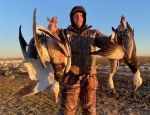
(13, 75)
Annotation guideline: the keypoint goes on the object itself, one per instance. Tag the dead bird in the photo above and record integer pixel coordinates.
(46, 59)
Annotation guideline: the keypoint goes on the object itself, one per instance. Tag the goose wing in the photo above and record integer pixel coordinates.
(41, 49)
(23, 43)
(112, 50)
(29, 52)
(40, 77)
(128, 42)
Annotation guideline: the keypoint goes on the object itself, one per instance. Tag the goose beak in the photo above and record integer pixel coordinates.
(137, 80)
(137, 85)
(55, 91)
(55, 98)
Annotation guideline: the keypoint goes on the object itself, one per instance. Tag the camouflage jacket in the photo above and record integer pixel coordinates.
(81, 45)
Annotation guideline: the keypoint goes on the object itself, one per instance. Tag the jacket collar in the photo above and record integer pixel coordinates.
(83, 30)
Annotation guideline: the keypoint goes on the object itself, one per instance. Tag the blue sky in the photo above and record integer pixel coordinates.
(101, 14)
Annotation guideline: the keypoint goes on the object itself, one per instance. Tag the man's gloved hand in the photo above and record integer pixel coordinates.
(122, 26)
(52, 24)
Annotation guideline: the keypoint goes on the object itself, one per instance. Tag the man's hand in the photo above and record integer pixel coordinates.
(122, 24)
(52, 24)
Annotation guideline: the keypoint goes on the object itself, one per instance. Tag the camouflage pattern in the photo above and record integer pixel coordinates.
(81, 81)
(82, 87)
(81, 45)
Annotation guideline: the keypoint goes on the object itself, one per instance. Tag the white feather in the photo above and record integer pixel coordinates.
(55, 90)
(45, 76)
(137, 79)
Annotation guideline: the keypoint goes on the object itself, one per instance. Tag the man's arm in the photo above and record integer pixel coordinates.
(101, 40)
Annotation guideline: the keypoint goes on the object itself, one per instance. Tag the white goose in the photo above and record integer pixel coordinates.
(43, 61)
(129, 58)
(123, 49)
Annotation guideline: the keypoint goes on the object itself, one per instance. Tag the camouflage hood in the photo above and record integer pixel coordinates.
(79, 9)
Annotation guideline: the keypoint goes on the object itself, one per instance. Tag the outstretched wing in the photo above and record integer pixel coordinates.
(23, 43)
(41, 49)
(112, 50)
(40, 77)
(29, 52)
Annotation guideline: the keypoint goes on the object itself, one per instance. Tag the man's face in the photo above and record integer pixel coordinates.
(78, 18)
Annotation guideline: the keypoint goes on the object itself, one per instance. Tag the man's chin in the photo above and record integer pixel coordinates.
(79, 25)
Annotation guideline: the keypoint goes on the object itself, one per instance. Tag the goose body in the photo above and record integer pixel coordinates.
(129, 58)
(50, 61)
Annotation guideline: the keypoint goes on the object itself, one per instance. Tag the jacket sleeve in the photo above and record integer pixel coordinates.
(101, 40)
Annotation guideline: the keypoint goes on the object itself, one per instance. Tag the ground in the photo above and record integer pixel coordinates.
(123, 102)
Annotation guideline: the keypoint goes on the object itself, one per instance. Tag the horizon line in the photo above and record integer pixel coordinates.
(23, 58)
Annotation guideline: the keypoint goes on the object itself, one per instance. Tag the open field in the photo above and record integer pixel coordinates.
(141, 59)
(123, 102)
